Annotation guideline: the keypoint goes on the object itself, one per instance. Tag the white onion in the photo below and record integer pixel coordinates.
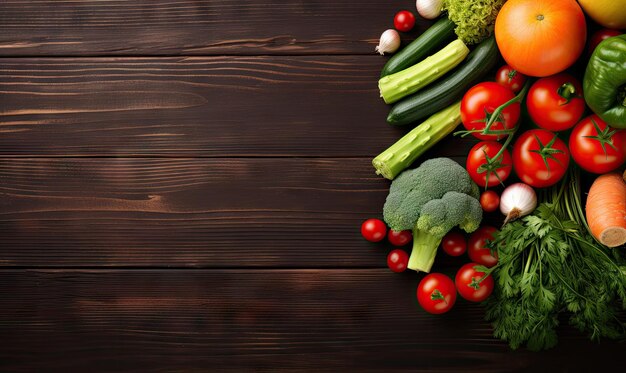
(389, 42)
(429, 9)
(517, 200)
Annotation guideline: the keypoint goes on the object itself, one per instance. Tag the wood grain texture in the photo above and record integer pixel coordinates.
(256, 320)
(298, 213)
(186, 27)
(218, 107)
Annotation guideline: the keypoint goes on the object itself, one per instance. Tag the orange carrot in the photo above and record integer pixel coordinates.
(606, 209)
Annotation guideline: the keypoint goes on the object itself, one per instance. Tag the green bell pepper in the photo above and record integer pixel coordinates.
(604, 83)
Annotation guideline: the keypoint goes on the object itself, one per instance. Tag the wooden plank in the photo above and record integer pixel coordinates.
(261, 320)
(197, 106)
(221, 106)
(189, 212)
(186, 27)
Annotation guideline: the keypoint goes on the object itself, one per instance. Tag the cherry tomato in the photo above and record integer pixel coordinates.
(374, 230)
(436, 293)
(597, 147)
(600, 35)
(556, 102)
(399, 238)
(489, 201)
(484, 168)
(510, 78)
(479, 103)
(469, 285)
(476, 249)
(404, 21)
(454, 243)
(397, 260)
(540, 158)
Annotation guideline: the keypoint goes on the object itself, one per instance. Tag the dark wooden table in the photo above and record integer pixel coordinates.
(181, 189)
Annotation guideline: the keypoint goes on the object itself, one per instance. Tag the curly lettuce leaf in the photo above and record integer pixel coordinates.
(474, 19)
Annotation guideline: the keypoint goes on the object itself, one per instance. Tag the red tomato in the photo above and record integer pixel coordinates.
(404, 21)
(483, 168)
(600, 35)
(374, 230)
(489, 201)
(540, 158)
(556, 102)
(476, 249)
(597, 147)
(399, 238)
(469, 285)
(454, 243)
(436, 293)
(479, 103)
(510, 78)
(397, 260)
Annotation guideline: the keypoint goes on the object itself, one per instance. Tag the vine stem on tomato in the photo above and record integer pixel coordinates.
(493, 162)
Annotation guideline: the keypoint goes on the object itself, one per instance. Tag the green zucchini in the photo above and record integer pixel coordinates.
(434, 38)
(448, 89)
(403, 83)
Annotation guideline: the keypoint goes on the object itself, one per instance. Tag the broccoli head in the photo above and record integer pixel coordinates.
(413, 188)
(430, 200)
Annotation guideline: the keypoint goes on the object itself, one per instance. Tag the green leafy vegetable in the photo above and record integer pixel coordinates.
(474, 19)
(550, 265)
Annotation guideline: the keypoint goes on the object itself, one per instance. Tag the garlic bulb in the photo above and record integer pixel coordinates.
(517, 200)
(389, 42)
(429, 9)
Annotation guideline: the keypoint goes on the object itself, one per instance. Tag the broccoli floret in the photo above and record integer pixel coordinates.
(430, 200)
(474, 19)
(413, 188)
(437, 218)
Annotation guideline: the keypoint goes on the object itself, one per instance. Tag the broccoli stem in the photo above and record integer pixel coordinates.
(407, 149)
(424, 250)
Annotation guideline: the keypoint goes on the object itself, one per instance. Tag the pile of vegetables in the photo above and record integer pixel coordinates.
(544, 123)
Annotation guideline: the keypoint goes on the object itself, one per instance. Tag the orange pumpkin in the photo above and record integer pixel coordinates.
(540, 37)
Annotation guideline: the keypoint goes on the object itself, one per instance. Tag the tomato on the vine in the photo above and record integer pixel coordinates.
(404, 21)
(556, 102)
(454, 243)
(478, 105)
(399, 238)
(489, 201)
(374, 230)
(397, 260)
(540, 158)
(469, 285)
(484, 168)
(436, 293)
(510, 78)
(476, 249)
(596, 147)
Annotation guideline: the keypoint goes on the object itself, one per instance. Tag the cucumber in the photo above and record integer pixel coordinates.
(435, 37)
(448, 89)
(408, 81)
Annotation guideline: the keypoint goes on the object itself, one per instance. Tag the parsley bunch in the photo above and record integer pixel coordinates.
(551, 268)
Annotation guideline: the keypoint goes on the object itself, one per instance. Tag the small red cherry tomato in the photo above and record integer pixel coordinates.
(404, 21)
(469, 285)
(511, 78)
(476, 249)
(374, 230)
(489, 201)
(454, 243)
(397, 260)
(436, 293)
(399, 238)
